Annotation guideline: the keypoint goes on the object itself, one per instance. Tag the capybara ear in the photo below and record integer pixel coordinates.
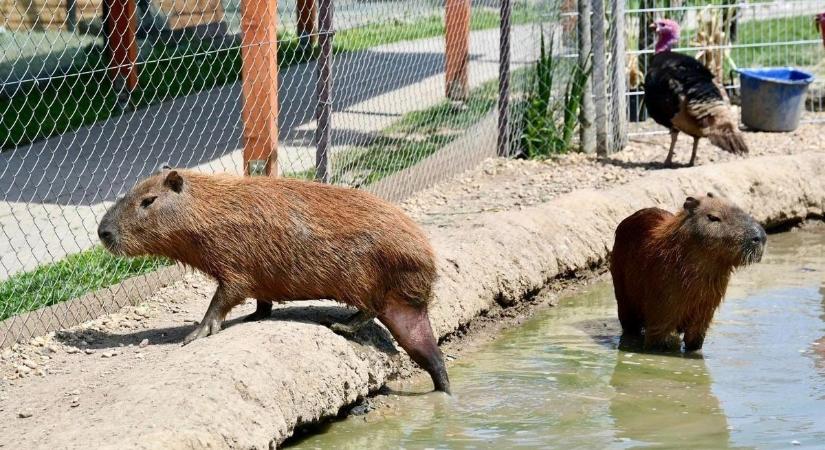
(691, 204)
(174, 181)
(710, 194)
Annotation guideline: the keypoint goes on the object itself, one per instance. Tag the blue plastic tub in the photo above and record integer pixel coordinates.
(773, 98)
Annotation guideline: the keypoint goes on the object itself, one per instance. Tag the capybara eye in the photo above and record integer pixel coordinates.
(147, 201)
(713, 218)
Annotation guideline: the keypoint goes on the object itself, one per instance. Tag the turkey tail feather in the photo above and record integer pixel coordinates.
(729, 139)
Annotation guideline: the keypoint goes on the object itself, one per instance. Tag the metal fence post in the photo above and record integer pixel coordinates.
(324, 92)
(504, 80)
(599, 73)
(618, 116)
(457, 50)
(121, 41)
(259, 70)
(587, 135)
(306, 25)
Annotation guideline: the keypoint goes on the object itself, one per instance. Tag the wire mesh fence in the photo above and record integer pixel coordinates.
(389, 96)
(97, 94)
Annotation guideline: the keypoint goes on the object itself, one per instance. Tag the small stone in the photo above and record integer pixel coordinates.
(72, 350)
(88, 351)
(75, 402)
(30, 364)
(144, 343)
(23, 370)
(24, 414)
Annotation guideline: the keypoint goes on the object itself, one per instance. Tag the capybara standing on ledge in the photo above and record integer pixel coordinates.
(276, 239)
(670, 272)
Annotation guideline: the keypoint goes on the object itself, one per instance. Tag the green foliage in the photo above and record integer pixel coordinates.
(549, 123)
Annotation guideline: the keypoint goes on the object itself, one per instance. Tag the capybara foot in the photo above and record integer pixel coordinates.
(206, 328)
(262, 312)
(410, 326)
(351, 326)
(693, 343)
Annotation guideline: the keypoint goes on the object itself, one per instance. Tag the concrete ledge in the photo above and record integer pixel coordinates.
(251, 385)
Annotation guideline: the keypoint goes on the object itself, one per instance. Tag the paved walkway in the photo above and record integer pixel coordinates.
(54, 191)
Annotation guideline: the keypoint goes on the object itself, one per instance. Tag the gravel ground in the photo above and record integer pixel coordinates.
(502, 184)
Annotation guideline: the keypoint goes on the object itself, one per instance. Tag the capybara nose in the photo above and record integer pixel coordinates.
(105, 234)
(759, 235)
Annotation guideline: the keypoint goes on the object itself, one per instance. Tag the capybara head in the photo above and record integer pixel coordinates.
(143, 221)
(719, 227)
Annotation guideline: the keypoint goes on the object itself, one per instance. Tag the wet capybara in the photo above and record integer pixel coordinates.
(277, 239)
(670, 272)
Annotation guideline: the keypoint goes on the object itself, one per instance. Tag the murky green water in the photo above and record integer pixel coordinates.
(560, 380)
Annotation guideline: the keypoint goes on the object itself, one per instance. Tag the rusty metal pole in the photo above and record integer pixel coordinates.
(457, 52)
(121, 41)
(324, 92)
(306, 26)
(259, 51)
(504, 80)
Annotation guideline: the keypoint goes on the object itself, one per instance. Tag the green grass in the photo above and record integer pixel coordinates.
(85, 96)
(70, 278)
(414, 137)
(777, 30)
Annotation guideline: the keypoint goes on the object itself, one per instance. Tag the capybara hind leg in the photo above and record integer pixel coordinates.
(353, 323)
(263, 310)
(222, 302)
(410, 326)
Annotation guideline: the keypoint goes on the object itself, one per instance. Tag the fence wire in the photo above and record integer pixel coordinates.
(96, 94)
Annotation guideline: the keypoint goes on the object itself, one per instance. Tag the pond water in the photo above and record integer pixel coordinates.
(561, 381)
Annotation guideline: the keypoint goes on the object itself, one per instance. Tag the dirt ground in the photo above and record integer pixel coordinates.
(66, 370)
(503, 184)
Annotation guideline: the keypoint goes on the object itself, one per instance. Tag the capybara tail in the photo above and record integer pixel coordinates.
(410, 326)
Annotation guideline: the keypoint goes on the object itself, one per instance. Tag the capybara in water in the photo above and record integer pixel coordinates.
(277, 239)
(670, 272)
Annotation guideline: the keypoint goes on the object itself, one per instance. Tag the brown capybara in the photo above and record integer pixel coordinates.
(276, 239)
(670, 272)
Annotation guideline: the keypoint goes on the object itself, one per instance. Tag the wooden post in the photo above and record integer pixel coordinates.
(306, 26)
(121, 21)
(599, 73)
(457, 53)
(259, 51)
(504, 80)
(323, 112)
(587, 135)
(618, 85)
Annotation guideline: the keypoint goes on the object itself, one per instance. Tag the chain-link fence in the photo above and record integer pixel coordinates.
(390, 96)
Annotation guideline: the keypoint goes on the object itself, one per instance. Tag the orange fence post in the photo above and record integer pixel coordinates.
(457, 53)
(122, 44)
(259, 70)
(307, 28)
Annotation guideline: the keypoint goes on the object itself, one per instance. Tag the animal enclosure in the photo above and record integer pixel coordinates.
(388, 96)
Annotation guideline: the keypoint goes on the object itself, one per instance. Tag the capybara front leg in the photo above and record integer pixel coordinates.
(354, 323)
(410, 326)
(661, 341)
(219, 307)
(263, 310)
(695, 337)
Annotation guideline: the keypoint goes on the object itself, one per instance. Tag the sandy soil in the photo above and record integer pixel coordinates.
(60, 376)
(503, 184)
